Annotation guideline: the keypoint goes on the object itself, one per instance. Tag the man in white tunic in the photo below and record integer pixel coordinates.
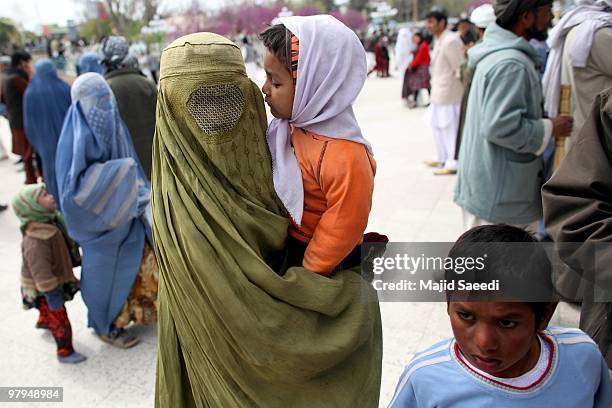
(446, 90)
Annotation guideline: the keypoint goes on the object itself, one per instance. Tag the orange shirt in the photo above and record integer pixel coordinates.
(338, 177)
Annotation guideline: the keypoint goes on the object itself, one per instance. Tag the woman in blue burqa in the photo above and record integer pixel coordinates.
(89, 62)
(104, 195)
(45, 104)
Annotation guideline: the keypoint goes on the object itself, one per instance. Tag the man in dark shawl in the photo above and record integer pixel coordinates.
(46, 102)
(135, 94)
(578, 209)
(14, 87)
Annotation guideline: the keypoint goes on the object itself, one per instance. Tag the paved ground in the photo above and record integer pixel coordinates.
(410, 204)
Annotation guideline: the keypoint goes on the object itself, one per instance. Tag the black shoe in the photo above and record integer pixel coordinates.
(120, 338)
(3, 207)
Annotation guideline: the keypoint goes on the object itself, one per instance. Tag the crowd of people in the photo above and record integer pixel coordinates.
(512, 120)
(242, 239)
(86, 150)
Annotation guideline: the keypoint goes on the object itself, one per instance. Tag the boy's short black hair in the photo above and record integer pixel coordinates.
(469, 37)
(276, 39)
(514, 257)
(423, 35)
(438, 13)
(18, 57)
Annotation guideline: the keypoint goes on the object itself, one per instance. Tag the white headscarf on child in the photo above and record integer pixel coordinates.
(331, 73)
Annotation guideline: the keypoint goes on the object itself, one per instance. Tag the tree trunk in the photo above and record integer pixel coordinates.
(116, 16)
(150, 9)
(329, 5)
(358, 5)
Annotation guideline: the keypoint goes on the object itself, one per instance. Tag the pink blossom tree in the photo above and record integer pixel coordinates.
(254, 19)
(308, 11)
(351, 18)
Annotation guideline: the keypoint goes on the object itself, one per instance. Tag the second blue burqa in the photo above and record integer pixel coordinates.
(89, 63)
(46, 102)
(104, 195)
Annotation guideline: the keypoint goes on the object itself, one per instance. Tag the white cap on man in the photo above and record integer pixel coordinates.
(482, 16)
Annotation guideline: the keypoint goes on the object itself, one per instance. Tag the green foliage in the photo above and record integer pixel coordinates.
(132, 30)
(97, 29)
(125, 17)
(8, 33)
(358, 4)
(453, 7)
(155, 38)
(307, 4)
(94, 30)
(30, 36)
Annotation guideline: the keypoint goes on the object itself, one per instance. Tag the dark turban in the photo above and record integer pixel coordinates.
(507, 10)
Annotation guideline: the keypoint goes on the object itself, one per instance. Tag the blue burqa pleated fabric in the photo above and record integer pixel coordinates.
(45, 104)
(89, 63)
(104, 196)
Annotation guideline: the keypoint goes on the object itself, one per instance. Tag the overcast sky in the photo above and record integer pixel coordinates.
(33, 13)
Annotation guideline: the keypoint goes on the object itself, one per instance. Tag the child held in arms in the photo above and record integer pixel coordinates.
(49, 255)
(503, 354)
(323, 167)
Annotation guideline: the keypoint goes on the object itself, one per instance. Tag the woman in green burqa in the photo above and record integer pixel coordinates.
(232, 331)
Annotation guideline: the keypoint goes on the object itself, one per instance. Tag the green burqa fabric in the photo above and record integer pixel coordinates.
(232, 332)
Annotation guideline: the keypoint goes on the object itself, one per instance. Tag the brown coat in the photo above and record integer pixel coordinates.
(578, 209)
(46, 261)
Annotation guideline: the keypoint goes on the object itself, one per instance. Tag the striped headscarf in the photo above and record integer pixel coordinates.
(295, 56)
(26, 206)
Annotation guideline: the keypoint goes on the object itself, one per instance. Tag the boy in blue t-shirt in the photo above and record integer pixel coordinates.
(503, 354)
